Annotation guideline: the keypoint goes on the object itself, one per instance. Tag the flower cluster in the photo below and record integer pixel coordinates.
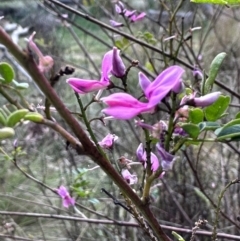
(112, 64)
(125, 106)
(67, 199)
(129, 14)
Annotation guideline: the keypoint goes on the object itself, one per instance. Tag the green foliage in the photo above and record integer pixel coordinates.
(147, 36)
(20, 86)
(231, 133)
(179, 237)
(7, 73)
(122, 43)
(190, 128)
(217, 109)
(196, 115)
(221, 2)
(81, 185)
(214, 69)
(16, 116)
(208, 125)
(6, 132)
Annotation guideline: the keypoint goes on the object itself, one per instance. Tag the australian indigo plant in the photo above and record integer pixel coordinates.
(189, 112)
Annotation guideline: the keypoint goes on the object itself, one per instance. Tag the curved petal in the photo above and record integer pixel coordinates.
(122, 112)
(207, 100)
(154, 162)
(122, 99)
(144, 82)
(118, 67)
(140, 153)
(83, 86)
(107, 64)
(165, 81)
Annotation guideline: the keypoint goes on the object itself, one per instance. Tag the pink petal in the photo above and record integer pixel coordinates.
(62, 191)
(118, 67)
(139, 17)
(107, 64)
(83, 86)
(129, 14)
(116, 24)
(144, 82)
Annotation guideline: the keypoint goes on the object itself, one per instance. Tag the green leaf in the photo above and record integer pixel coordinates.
(220, 2)
(237, 115)
(202, 196)
(232, 123)
(228, 133)
(191, 129)
(214, 68)
(208, 125)
(6, 132)
(177, 236)
(216, 110)
(16, 117)
(118, 44)
(7, 72)
(20, 86)
(196, 115)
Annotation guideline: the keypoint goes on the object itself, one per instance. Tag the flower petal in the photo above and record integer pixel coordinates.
(144, 81)
(118, 67)
(83, 86)
(167, 79)
(206, 100)
(116, 24)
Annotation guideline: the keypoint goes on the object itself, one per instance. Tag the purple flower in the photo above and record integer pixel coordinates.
(111, 63)
(206, 100)
(118, 67)
(119, 7)
(115, 24)
(130, 178)
(167, 159)
(108, 141)
(45, 62)
(67, 199)
(129, 14)
(136, 18)
(142, 157)
(165, 82)
(202, 101)
(124, 106)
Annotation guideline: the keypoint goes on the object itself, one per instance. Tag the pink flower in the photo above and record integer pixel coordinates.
(125, 106)
(111, 64)
(206, 100)
(142, 157)
(67, 199)
(167, 159)
(165, 82)
(202, 101)
(108, 141)
(116, 24)
(136, 18)
(130, 178)
(45, 62)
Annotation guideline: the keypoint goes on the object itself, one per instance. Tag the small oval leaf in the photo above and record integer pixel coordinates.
(6, 132)
(214, 68)
(217, 109)
(191, 129)
(16, 117)
(7, 72)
